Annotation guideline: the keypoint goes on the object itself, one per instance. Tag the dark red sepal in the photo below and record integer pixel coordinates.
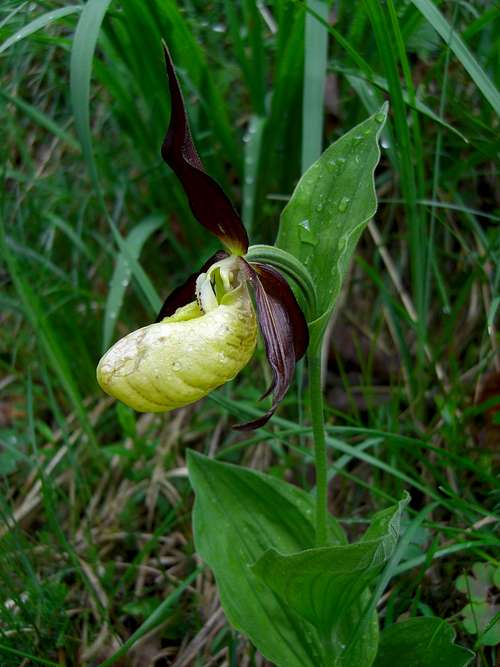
(186, 292)
(208, 202)
(283, 328)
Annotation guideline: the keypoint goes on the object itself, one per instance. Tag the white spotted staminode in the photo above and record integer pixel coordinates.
(206, 331)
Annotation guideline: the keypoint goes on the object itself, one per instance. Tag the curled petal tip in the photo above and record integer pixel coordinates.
(256, 423)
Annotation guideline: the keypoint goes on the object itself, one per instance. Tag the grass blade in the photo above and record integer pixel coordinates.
(37, 316)
(251, 167)
(42, 119)
(153, 621)
(383, 33)
(121, 275)
(460, 49)
(28, 656)
(37, 24)
(315, 52)
(82, 54)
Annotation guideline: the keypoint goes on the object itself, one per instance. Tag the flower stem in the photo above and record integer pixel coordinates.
(318, 424)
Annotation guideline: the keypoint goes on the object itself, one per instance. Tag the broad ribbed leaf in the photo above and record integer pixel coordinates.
(283, 328)
(208, 202)
(421, 642)
(185, 293)
(325, 586)
(330, 207)
(238, 515)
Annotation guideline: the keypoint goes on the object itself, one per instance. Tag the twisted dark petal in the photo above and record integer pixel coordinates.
(208, 202)
(284, 330)
(277, 288)
(186, 292)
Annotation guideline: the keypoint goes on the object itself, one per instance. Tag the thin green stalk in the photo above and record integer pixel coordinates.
(318, 425)
(315, 61)
(431, 258)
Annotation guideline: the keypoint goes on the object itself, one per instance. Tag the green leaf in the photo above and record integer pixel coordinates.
(325, 586)
(421, 642)
(329, 208)
(476, 587)
(475, 590)
(238, 515)
(483, 619)
(483, 572)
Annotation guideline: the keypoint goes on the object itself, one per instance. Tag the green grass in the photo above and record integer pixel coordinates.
(95, 540)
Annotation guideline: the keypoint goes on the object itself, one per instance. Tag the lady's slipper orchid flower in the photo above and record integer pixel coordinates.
(206, 330)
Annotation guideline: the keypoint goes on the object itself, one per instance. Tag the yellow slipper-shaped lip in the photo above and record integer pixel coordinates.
(182, 358)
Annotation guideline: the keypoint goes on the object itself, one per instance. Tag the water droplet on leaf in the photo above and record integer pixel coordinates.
(380, 117)
(305, 233)
(344, 204)
(337, 165)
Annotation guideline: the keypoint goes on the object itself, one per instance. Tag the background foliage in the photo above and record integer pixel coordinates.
(95, 504)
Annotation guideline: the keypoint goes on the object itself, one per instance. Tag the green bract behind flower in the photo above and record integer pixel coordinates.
(185, 356)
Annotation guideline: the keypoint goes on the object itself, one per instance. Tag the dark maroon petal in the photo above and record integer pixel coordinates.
(284, 330)
(278, 288)
(186, 292)
(208, 202)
